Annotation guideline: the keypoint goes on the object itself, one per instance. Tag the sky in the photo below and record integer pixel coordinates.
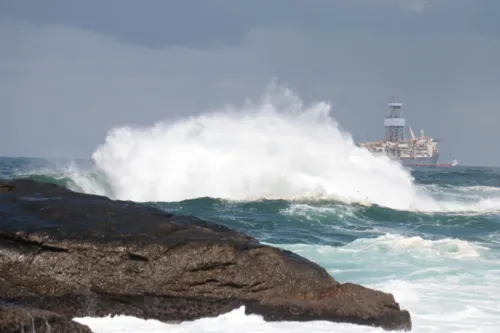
(71, 70)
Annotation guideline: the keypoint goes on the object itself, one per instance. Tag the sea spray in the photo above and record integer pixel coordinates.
(275, 148)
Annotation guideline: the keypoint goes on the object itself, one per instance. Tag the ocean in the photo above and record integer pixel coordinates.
(295, 180)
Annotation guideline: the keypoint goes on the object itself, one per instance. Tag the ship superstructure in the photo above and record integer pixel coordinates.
(417, 151)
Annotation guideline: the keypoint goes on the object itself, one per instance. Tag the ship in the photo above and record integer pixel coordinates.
(417, 151)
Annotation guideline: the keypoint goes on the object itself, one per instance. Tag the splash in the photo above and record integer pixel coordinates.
(276, 148)
(419, 247)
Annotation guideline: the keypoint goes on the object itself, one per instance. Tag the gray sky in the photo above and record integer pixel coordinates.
(70, 70)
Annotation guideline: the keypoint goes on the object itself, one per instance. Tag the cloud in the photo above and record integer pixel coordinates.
(414, 5)
(66, 87)
(63, 86)
(211, 24)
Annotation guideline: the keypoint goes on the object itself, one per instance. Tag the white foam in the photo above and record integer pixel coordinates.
(232, 322)
(481, 189)
(309, 212)
(276, 148)
(388, 246)
(452, 248)
(273, 149)
(85, 181)
(448, 285)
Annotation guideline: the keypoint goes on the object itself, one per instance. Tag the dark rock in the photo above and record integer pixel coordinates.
(19, 319)
(78, 255)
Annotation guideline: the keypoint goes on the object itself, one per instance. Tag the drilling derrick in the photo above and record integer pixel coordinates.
(394, 123)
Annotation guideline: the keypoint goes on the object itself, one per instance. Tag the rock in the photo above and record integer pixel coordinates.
(19, 319)
(85, 255)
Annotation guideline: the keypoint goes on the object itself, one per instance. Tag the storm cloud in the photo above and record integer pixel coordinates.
(71, 70)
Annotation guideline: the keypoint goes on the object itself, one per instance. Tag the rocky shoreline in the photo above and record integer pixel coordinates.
(14, 319)
(65, 254)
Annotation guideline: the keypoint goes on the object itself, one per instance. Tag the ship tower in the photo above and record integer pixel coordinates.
(394, 123)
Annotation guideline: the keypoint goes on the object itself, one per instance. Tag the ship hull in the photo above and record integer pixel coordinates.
(420, 162)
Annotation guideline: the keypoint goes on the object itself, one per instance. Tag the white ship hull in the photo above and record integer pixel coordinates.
(420, 161)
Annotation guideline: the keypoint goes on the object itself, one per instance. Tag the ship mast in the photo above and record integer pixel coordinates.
(394, 123)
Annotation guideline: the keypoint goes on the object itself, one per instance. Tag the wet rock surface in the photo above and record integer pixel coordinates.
(20, 319)
(78, 255)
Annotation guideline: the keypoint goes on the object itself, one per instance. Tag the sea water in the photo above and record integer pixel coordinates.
(286, 174)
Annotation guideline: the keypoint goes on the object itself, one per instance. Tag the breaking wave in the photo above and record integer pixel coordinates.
(275, 148)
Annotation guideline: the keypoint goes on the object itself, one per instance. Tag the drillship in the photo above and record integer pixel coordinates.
(421, 151)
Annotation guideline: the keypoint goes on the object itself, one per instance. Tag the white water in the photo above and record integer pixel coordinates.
(276, 148)
(447, 285)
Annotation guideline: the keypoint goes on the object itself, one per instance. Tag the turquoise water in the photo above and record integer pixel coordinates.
(443, 266)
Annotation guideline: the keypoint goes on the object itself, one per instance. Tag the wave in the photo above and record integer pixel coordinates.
(462, 176)
(70, 175)
(394, 244)
(417, 246)
(276, 148)
(235, 321)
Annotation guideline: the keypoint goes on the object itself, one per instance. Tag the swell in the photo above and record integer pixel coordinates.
(62, 181)
(321, 220)
(89, 181)
(335, 223)
(311, 209)
(460, 176)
